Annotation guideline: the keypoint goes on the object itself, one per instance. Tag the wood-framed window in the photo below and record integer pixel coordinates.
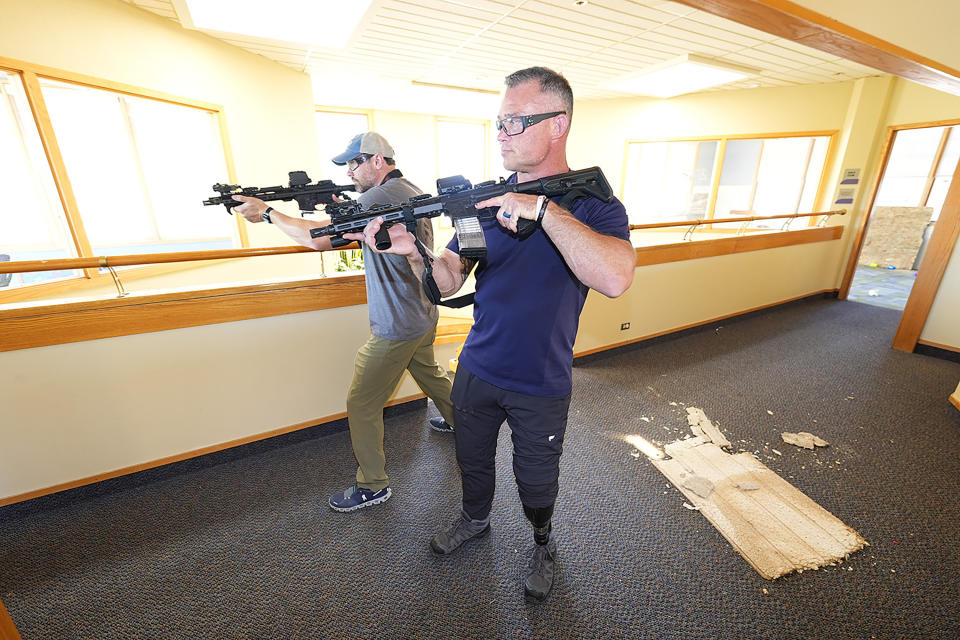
(99, 169)
(724, 177)
(920, 167)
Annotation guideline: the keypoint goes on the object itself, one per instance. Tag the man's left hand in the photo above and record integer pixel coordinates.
(513, 206)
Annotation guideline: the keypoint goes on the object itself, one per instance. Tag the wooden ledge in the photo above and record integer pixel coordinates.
(27, 326)
(661, 253)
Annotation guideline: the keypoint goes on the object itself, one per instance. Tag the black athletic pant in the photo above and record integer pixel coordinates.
(537, 425)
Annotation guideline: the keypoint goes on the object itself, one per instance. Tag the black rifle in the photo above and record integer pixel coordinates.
(456, 199)
(307, 195)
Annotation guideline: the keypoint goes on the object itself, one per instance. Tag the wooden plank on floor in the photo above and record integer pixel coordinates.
(772, 524)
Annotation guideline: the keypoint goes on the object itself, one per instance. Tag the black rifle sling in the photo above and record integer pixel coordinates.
(430, 285)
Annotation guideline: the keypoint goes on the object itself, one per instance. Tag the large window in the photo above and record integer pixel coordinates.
(32, 221)
(920, 168)
(131, 175)
(723, 178)
(140, 170)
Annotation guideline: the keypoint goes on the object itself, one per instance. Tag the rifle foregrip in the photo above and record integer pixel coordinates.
(382, 239)
(525, 227)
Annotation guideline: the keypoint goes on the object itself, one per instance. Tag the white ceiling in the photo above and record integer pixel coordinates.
(475, 43)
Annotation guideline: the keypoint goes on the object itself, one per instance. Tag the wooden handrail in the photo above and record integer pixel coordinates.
(699, 221)
(146, 258)
(24, 266)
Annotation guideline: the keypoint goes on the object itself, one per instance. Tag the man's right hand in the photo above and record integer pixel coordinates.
(401, 240)
(252, 208)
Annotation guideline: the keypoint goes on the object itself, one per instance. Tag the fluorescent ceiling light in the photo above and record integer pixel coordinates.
(685, 74)
(328, 24)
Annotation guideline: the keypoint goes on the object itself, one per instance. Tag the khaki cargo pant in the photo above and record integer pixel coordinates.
(378, 369)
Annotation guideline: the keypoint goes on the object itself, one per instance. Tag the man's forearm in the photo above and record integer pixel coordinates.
(299, 230)
(447, 270)
(601, 262)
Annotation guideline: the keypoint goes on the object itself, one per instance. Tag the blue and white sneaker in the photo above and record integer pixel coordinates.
(441, 425)
(356, 497)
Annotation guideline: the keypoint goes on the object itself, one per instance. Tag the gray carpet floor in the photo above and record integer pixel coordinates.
(242, 545)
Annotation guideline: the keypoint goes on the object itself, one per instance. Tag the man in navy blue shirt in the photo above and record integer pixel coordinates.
(516, 364)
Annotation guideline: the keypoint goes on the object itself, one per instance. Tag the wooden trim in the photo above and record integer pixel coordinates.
(700, 222)
(740, 136)
(714, 194)
(58, 167)
(818, 199)
(242, 236)
(37, 326)
(937, 345)
(102, 83)
(146, 258)
(863, 224)
(955, 399)
(7, 629)
(931, 269)
(932, 175)
(660, 254)
(928, 124)
(196, 453)
(791, 21)
(650, 336)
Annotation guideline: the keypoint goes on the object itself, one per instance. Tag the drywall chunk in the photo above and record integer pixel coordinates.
(699, 485)
(803, 439)
(701, 426)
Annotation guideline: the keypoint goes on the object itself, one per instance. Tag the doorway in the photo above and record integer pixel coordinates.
(913, 186)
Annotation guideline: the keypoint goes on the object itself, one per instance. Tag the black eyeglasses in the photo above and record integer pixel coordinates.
(356, 162)
(515, 125)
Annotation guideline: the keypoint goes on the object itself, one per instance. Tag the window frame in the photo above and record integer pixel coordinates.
(30, 75)
(722, 141)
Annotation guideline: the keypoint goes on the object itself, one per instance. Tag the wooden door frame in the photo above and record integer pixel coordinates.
(935, 258)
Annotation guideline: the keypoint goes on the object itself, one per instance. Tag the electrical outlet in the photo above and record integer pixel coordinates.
(624, 326)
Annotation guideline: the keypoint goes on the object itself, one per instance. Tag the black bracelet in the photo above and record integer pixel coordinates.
(266, 215)
(543, 210)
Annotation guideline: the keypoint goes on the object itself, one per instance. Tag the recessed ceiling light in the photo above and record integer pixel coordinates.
(325, 24)
(685, 74)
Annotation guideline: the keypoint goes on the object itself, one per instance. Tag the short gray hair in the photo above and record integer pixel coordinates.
(550, 82)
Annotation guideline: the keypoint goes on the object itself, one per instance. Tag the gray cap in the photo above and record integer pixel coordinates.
(369, 143)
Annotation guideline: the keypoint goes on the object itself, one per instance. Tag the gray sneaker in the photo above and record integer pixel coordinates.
(538, 581)
(462, 530)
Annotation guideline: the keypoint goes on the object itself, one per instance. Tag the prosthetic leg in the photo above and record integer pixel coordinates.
(538, 580)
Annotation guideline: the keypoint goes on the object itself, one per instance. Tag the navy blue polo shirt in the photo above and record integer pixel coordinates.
(527, 305)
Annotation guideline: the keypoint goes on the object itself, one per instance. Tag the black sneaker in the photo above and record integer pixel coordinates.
(441, 425)
(356, 497)
(538, 581)
(462, 530)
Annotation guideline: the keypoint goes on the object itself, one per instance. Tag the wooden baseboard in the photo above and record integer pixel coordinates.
(937, 345)
(196, 453)
(955, 400)
(7, 629)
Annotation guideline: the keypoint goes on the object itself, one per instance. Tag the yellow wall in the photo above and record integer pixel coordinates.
(926, 27)
(664, 297)
(75, 410)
